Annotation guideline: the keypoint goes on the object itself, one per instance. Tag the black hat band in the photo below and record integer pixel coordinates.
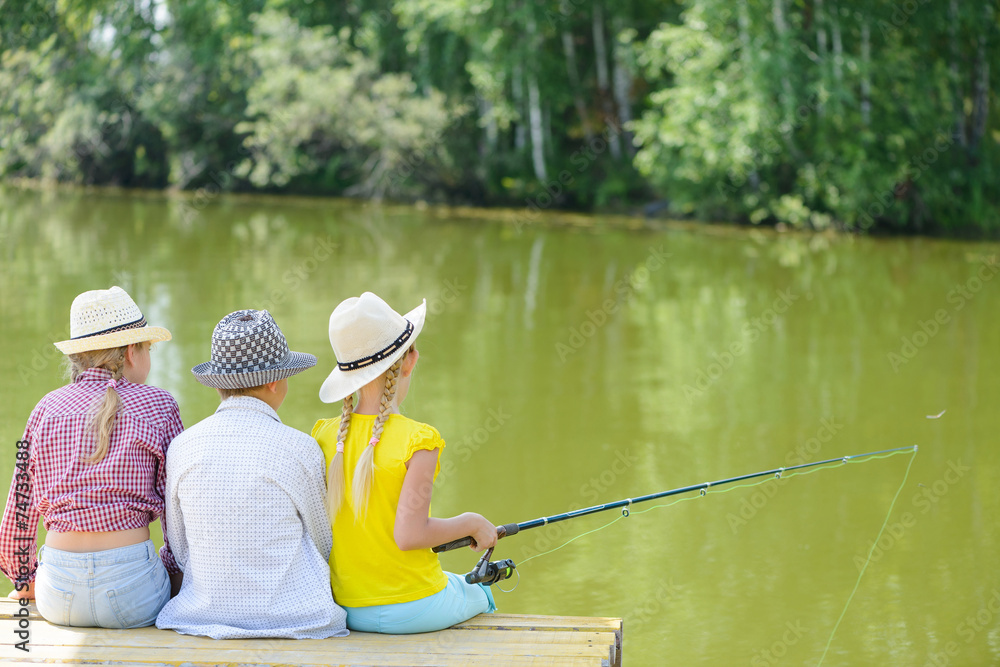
(381, 354)
(138, 324)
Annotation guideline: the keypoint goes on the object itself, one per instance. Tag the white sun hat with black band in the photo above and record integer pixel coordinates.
(368, 337)
(249, 350)
(102, 319)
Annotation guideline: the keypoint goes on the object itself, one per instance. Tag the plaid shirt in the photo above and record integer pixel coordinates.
(124, 490)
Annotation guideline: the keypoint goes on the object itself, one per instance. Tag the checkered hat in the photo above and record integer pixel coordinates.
(249, 350)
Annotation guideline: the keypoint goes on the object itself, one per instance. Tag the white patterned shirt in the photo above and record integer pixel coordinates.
(247, 524)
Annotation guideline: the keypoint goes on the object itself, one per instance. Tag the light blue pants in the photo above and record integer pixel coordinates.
(458, 602)
(116, 588)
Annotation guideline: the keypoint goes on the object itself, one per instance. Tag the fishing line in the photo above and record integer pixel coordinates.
(626, 512)
(868, 560)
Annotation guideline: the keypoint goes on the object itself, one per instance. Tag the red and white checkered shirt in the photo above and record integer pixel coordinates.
(124, 490)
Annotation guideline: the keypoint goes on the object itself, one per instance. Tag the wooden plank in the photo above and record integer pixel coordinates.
(527, 621)
(558, 623)
(113, 655)
(87, 644)
(519, 639)
(53, 635)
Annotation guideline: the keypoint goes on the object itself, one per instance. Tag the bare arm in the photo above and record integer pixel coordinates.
(24, 592)
(176, 579)
(414, 529)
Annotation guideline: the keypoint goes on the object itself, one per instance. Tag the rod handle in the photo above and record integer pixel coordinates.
(502, 531)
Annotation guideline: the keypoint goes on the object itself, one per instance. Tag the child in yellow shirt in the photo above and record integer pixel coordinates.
(380, 475)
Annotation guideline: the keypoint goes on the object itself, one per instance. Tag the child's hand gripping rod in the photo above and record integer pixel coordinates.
(502, 531)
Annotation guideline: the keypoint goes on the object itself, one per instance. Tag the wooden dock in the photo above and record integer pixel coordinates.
(488, 639)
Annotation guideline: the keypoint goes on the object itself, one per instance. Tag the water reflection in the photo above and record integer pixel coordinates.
(572, 364)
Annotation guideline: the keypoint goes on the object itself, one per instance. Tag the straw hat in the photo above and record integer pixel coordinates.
(249, 350)
(106, 318)
(368, 337)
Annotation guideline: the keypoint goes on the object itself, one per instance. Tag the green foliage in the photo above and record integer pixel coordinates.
(854, 113)
(322, 109)
(816, 113)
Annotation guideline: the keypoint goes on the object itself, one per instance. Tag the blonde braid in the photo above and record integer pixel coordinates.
(106, 413)
(364, 473)
(335, 481)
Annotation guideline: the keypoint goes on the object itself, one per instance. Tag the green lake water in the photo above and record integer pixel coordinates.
(581, 362)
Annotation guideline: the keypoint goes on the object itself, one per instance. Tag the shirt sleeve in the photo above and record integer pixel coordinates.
(325, 433)
(173, 428)
(19, 525)
(174, 551)
(308, 493)
(425, 437)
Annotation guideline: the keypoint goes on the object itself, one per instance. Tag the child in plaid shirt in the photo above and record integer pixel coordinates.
(92, 465)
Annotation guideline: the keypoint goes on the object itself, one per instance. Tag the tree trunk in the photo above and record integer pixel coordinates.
(958, 96)
(866, 72)
(820, 48)
(601, 53)
(574, 81)
(746, 58)
(746, 51)
(820, 30)
(517, 93)
(623, 87)
(787, 96)
(537, 134)
(535, 110)
(981, 88)
(838, 48)
(492, 131)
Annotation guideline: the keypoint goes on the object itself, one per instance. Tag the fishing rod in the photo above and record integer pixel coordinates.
(487, 572)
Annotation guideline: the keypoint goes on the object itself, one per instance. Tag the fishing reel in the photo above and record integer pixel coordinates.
(490, 572)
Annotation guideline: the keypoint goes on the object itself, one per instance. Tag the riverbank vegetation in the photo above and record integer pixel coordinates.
(871, 115)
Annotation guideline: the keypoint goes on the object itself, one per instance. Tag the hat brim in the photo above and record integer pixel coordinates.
(113, 340)
(293, 364)
(340, 384)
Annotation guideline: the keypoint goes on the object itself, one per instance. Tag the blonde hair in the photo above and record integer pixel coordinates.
(230, 393)
(364, 472)
(105, 412)
(335, 481)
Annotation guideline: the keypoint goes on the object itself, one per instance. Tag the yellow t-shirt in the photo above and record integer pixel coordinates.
(366, 566)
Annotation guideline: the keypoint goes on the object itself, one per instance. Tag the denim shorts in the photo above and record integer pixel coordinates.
(116, 588)
(458, 602)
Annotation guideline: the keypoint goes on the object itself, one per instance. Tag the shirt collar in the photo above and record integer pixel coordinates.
(97, 375)
(248, 403)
